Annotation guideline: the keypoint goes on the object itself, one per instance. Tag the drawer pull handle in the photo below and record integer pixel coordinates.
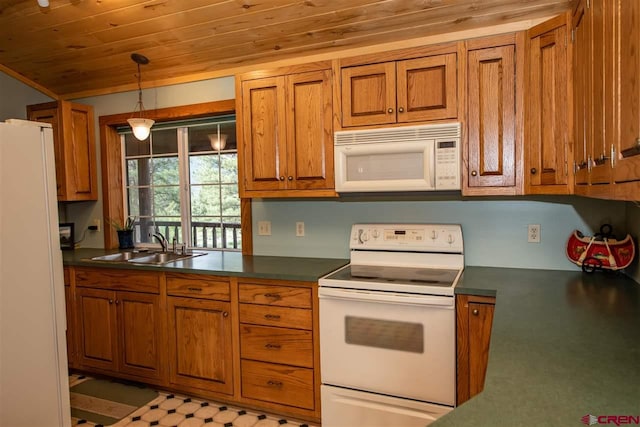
(273, 296)
(273, 346)
(273, 383)
(194, 289)
(225, 314)
(272, 316)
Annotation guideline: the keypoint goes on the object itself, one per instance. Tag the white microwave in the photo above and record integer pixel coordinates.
(408, 158)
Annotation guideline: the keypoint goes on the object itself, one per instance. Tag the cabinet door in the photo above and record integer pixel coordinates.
(51, 116)
(427, 88)
(582, 93)
(627, 166)
(309, 130)
(264, 134)
(548, 115)
(492, 117)
(369, 94)
(80, 156)
(200, 344)
(140, 329)
(71, 327)
(98, 328)
(474, 317)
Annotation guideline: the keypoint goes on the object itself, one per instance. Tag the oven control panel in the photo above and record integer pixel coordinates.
(408, 237)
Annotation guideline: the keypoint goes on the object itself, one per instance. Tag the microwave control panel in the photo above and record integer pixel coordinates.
(447, 164)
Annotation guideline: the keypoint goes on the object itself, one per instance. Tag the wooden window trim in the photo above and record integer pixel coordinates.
(111, 162)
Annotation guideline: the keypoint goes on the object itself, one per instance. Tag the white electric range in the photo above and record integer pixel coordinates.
(387, 326)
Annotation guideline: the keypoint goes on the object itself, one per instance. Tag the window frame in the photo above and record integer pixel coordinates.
(112, 172)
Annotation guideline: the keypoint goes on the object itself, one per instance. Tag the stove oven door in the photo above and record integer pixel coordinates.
(395, 344)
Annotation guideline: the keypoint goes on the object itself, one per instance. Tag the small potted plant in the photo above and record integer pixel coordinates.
(125, 231)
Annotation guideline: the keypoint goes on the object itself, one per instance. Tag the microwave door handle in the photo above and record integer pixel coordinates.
(432, 164)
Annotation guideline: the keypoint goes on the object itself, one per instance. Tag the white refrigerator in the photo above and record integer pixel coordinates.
(34, 384)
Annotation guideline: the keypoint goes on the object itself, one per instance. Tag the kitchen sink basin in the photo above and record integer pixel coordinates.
(160, 258)
(148, 258)
(119, 257)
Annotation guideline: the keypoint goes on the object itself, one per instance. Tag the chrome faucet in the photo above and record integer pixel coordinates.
(162, 240)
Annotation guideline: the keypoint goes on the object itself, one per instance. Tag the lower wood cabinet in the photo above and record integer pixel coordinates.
(119, 331)
(474, 317)
(200, 333)
(252, 342)
(70, 310)
(279, 348)
(200, 346)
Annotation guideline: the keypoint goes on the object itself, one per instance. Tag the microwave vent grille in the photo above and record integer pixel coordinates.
(398, 134)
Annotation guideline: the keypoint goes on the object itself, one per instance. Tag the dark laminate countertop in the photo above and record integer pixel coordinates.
(223, 264)
(564, 344)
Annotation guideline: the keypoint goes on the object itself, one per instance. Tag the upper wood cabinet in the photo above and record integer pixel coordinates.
(286, 132)
(412, 90)
(492, 152)
(74, 147)
(627, 153)
(548, 117)
(606, 95)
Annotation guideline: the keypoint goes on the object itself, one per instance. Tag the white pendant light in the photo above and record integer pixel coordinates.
(140, 126)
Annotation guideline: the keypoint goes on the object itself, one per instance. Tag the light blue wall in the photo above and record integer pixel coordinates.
(15, 96)
(495, 231)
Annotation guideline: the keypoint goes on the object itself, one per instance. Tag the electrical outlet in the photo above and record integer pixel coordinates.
(97, 223)
(264, 228)
(300, 229)
(533, 235)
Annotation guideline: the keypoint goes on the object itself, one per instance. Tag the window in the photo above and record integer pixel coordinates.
(183, 182)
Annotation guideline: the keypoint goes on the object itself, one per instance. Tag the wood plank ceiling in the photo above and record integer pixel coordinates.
(78, 48)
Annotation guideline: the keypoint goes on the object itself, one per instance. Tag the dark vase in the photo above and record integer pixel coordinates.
(125, 238)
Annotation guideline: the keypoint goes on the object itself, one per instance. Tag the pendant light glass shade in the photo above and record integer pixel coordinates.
(140, 126)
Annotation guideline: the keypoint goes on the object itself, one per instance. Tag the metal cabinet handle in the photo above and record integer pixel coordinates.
(474, 173)
(282, 178)
(290, 178)
(475, 311)
(117, 302)
(273, 346)
(194, 289)
(400, 110)
(533, 171)
(273, 383)
(273, 296)
(390, 110)
(225, 314)
(110, 301)
(272, 316)
(633, 151)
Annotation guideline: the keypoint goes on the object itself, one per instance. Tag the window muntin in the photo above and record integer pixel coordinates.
(183, 182)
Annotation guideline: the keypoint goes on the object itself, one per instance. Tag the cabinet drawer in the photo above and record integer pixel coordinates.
(277, 345)
(118, 280)
(286, 317)
(285, 385)
(285, 296)
(197, 286)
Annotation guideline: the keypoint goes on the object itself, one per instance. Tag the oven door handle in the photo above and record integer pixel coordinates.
(386, 297)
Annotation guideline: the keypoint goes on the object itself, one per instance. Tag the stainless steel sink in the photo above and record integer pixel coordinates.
(119, 257)
(160, 258)
(147, 258)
